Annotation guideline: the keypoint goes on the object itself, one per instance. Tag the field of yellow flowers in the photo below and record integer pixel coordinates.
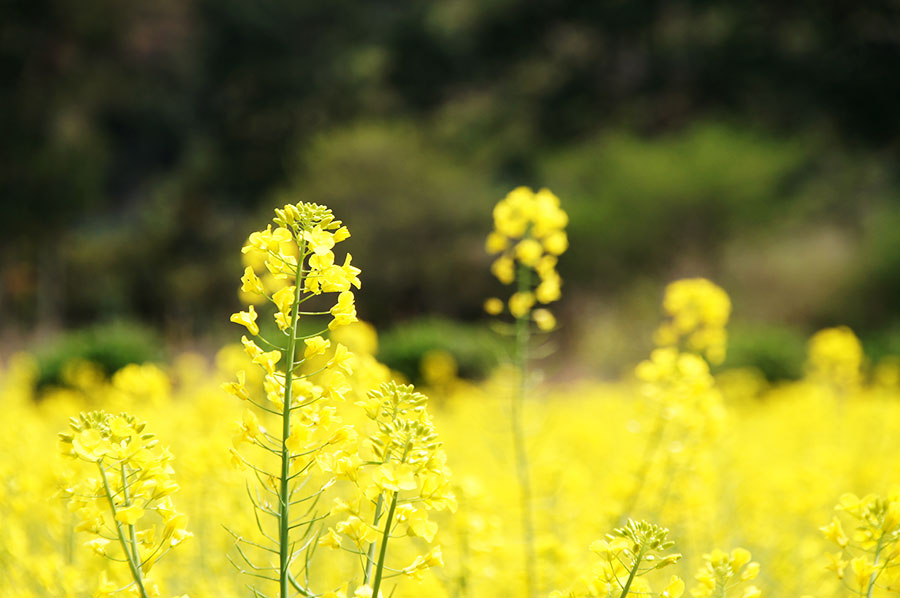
(297, 465)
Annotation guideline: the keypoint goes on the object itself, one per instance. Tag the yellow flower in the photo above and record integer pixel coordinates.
(344, 311)
(98, 545)
(331, 539)
(548, 290)
(544, 319)
(496, 242)
(315, 346)
(529, 252)
(393, 476)
(251, 282)
(267, 240)
(351, 273)
(284, 299)
(520, 304)
(675, 588)
(237, 388)
(340, 234)
(556, 243)
(834, 532)
(493, 306)
(341, 359)
(130, 514)
(504, 269)
(320, 241)
(248, 319)
(836, 563)
(268, 360)
(863, 570)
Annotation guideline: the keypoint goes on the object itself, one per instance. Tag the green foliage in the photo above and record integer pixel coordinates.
(109, 346)
(476, 348)
(417, 215)
(638, 202)
(778, 352)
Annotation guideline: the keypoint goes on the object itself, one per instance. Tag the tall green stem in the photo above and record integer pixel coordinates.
(631, 574)
(523, 336)
(132, 558)
(370, 554)
(379, 570)
(653, 444)
(284, 500)
(875, 573)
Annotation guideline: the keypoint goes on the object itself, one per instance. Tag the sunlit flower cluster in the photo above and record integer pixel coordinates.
(835, 359)
(627, 555)
(334, 454)
(722, 572)
(529, 234)
(871, 553)
(400, 475)
(125, 503)
(699, 311)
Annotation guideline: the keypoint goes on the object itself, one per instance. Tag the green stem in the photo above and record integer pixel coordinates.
(379, 570)
(875, 573)
(131, 558)
(631, 574)
(284, 500)
(370, 554)
(523, 335)
(653, 444)
(131, 533)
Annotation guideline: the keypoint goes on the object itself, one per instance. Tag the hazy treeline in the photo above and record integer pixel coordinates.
(139, 139)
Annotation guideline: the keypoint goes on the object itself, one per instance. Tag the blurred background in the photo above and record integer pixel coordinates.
(755, 143)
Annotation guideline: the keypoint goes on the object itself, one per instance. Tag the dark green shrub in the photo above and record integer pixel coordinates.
(778, 352)
(110, 346)
(476, 348)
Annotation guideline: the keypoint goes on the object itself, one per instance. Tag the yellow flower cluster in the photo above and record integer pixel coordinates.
(298, 398)
(716, 458)
(835, 359)
(874, 548)
(127, 507)
(627, 555)
(722, 571)
(529, 234)
(401, 476)
(699, 311)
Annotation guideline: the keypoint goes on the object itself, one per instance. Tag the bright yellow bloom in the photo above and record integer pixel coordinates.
(493, 306)
(284, 299)
(130, 515)
(862, 570)
(320, 241)
(248, 319)
(529, 251)
(344, 311)
(548, 290)
(340, 234)
(556, 243)
(341, 359)
(268, 360)
(504, 268)
(834, 532)
(315, 346)
(251, 282)
(674, 589)
(238, 388)
(520, 304)
(544, 319)
(496, 242)
(268, 241)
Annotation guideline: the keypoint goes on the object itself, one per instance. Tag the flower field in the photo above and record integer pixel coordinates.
(304, 468)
